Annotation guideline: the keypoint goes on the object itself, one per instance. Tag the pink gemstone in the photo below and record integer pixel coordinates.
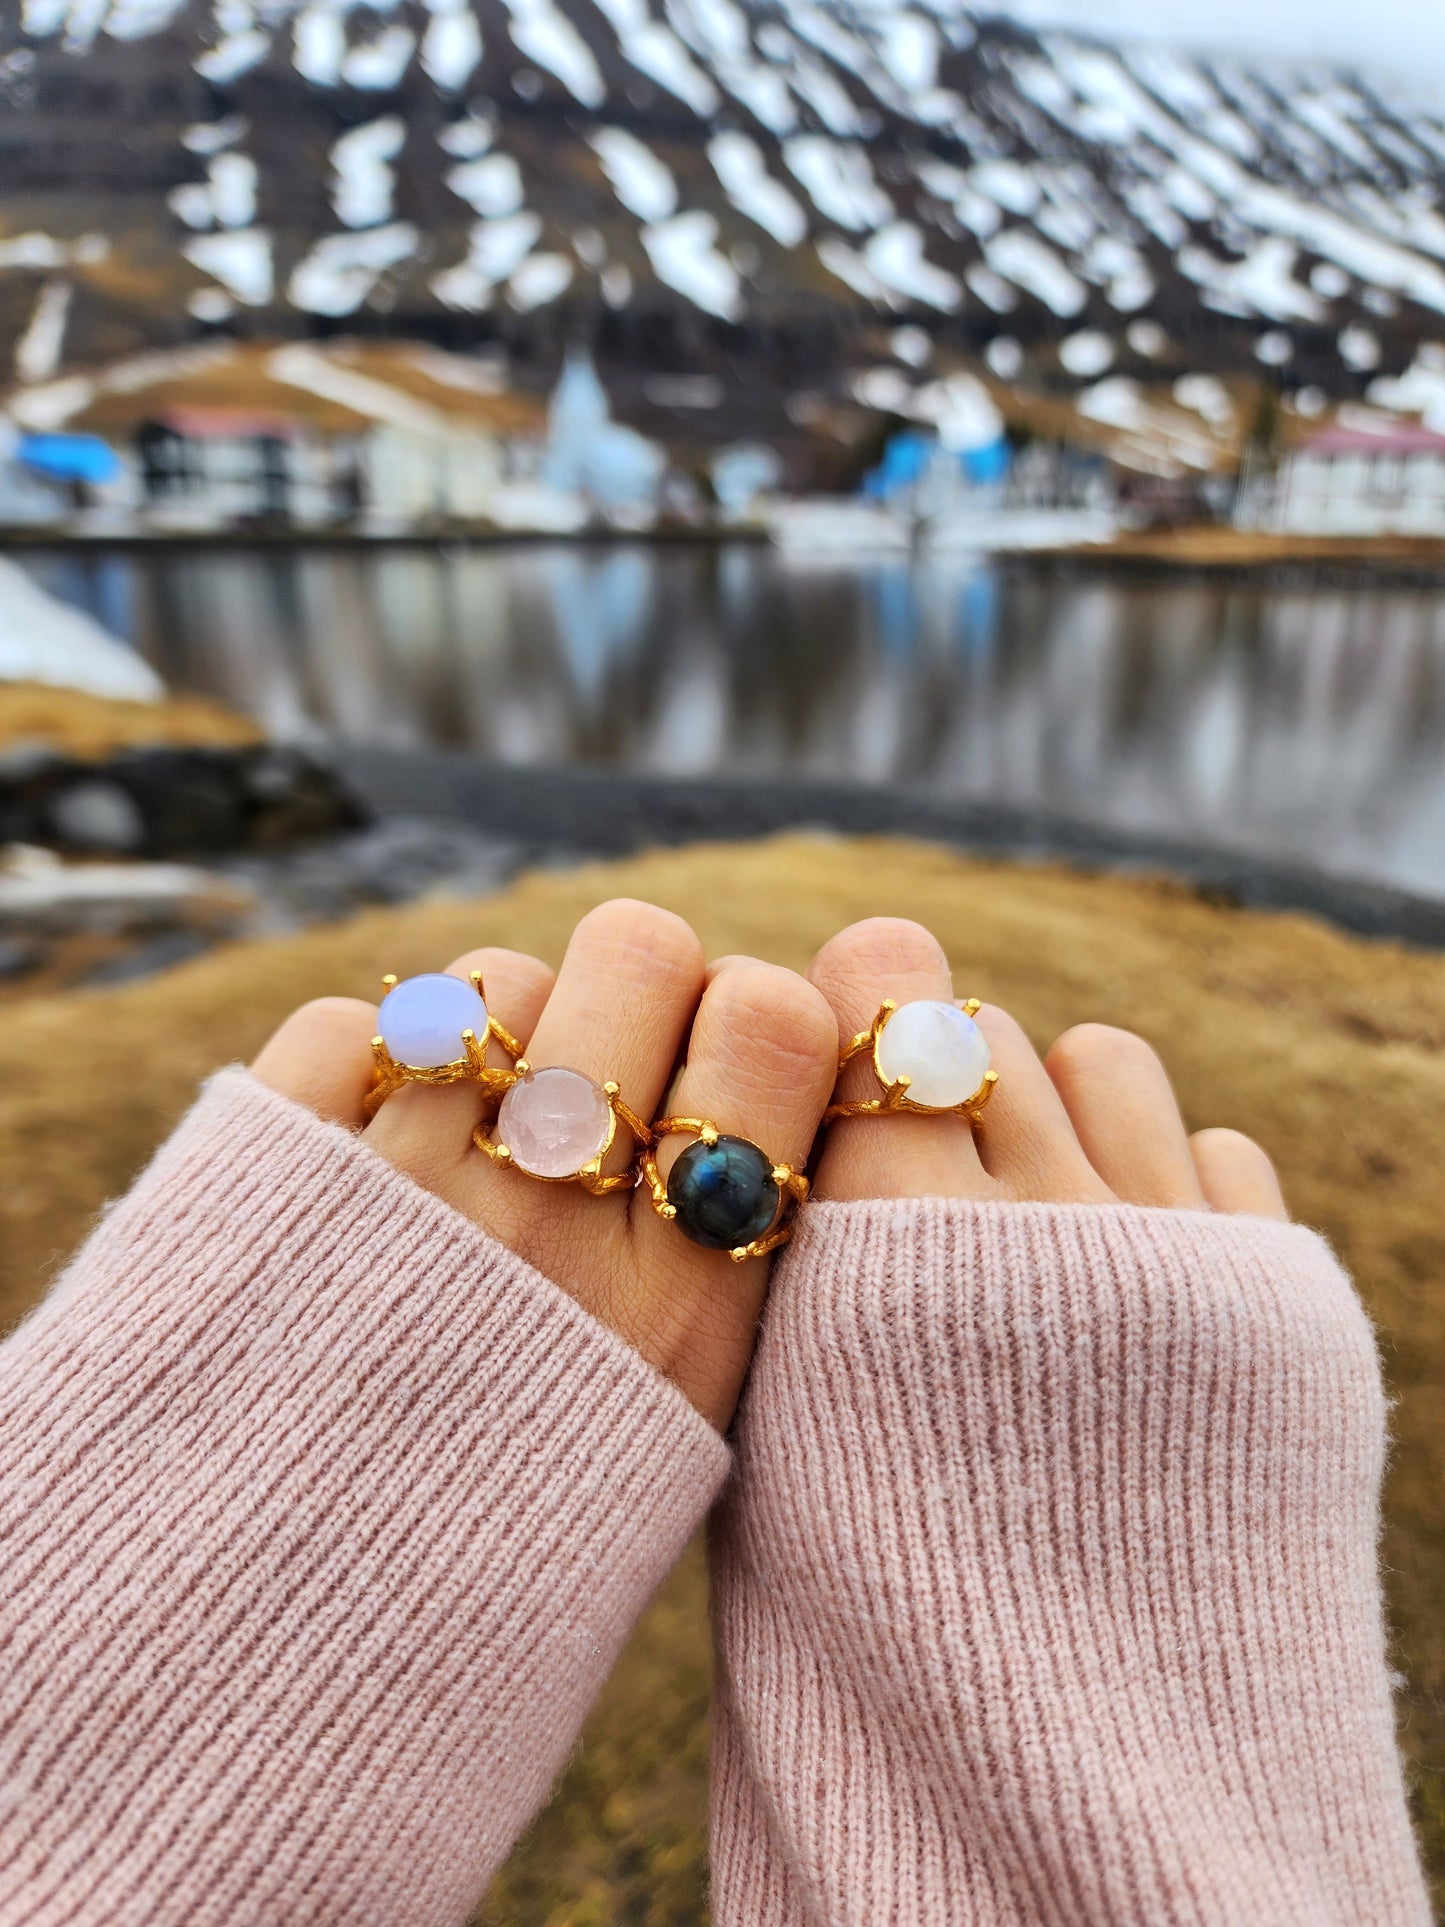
(553, 1122)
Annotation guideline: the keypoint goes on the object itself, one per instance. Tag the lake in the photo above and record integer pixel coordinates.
(1299, 724)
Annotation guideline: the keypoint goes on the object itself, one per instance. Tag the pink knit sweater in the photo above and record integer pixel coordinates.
(1046, 1584)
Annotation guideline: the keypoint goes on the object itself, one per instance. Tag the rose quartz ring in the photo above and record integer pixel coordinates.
(927, 1056)
(434, 1029)
(558, 1125)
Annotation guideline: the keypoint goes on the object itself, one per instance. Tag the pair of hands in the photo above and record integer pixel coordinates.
(1094, 1122)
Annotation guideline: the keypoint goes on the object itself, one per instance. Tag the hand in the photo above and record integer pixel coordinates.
(631, 999)
(1094, 1122)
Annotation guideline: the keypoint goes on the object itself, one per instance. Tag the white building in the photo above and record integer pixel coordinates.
(1358, 481)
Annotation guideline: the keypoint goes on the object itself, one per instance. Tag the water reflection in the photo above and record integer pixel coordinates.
(1303, 723)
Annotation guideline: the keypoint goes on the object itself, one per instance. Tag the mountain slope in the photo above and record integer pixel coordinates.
(759, 196)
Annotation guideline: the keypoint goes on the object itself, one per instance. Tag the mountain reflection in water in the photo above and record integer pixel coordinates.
(1304, 724)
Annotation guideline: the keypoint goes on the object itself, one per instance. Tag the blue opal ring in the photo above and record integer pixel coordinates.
(927, 1057)
(434, 1029)
(723, 1192)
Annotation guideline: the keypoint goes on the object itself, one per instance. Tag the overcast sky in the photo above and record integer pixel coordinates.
(1407, 36)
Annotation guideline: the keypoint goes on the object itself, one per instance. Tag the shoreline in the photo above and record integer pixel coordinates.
(561, 815)
(1197, 551)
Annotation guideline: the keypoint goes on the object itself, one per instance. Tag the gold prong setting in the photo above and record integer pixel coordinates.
(556, 1125)
(417, 1019)
(944, 1051)
(723, 1192)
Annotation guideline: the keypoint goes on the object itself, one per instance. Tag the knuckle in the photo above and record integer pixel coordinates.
(628, 925)
(775, 1010)
(1086, 1046)
(869, 955)
(329, 1020)
(1226, 1146)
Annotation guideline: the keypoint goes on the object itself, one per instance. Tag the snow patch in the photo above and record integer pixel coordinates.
(656, 51)
(1032, 264)
(226, 198)
(495, 251)
(37, 353)
(545, 35)
(490, 186)
(642, 182)
(237, 54)
(839, 181)
(540, 278)
(46, 641)
(451, 48)
(1087, 354)
(1359, 349)
(739, 165)
(377, 65)
(342, 269)
(364, 184)
(895, 257)
(683, 254)
(241, 262)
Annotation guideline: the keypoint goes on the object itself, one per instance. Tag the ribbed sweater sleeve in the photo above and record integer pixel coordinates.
(322, 1519)
(1046, 1584)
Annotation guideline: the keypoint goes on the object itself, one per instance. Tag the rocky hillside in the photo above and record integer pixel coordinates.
(744, 206)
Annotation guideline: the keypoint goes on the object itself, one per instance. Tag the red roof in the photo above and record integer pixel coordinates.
(1396, 438)
(200, 422)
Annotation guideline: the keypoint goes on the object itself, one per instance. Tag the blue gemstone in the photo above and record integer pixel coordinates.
(725, 1194)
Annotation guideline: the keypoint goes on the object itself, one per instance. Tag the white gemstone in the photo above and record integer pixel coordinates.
(938, 1048)
(421, 1021)
(554, 1121)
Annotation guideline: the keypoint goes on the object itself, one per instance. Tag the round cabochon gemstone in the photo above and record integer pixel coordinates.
(554, 1121)
(421, 1021)
(724, 1194)
(939, 1048)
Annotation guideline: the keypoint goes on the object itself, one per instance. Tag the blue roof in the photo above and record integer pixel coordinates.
(70, 458)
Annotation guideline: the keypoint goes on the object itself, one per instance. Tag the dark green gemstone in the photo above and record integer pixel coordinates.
(724, 1194)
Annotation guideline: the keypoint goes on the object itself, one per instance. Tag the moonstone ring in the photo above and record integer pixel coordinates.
(723, 1192)
(557, 1124)
(433, 1029)
(929, 1057)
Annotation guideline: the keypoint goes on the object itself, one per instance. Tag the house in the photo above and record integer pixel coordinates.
(1359, 480)
(389, 437)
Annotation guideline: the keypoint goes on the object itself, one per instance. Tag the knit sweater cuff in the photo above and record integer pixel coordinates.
(322, 1519)
(1046, 1584)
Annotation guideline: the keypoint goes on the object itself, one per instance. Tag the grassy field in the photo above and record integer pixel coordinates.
(1329, 1049)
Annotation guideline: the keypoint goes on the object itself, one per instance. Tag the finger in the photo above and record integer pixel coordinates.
(760, 1065)
(622, 1004)
(900, 1156)
(1124, 1111)
(321, 1057)
(427, 1130)
(1027, 1144)
(1236, 1175)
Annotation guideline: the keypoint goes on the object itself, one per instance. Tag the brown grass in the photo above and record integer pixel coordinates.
(92, 728)
(1329, 1049)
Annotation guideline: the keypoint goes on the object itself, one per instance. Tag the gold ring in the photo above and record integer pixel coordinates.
(434, 1029)
(929, 1057)
(557, 1125)
(723, 1192)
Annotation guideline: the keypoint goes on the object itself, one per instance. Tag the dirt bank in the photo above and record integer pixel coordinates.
(1328, 1048)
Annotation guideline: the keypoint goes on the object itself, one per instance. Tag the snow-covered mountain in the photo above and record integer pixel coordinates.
(740, 201)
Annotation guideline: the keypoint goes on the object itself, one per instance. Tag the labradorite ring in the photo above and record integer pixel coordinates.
(724, 1193)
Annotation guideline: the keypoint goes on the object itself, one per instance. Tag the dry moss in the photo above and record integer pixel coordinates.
(92, 728)
(1329, 1049)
